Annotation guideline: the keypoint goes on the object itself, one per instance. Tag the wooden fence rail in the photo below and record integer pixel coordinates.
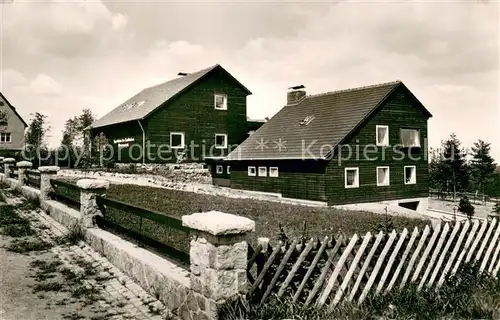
(331, 270)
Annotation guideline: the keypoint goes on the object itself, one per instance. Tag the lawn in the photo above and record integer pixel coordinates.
(296, 220)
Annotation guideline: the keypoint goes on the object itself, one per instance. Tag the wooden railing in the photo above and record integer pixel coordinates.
(336, 269)
(155, 230)
(32, 178)
(66, 192)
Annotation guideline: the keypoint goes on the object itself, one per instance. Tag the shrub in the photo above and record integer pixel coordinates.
(466, 207)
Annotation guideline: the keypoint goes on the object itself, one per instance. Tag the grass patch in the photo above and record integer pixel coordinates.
(295, 220)
(73, 237)
(466, 295)
(26, 246)
(14, 225)
(50, 286)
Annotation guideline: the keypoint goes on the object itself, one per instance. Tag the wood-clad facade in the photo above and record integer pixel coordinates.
(191, 113)
(325, 179)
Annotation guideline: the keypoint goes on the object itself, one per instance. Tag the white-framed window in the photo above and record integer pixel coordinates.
(228, 170)
(382, 133)
(251, 171)
(220, 101)
(410, 175)
(273, 172)
(219, 169)
(410, 137)
(177, 140)
(351, 177)
(5, 137)
(383, 178)
(262, 171)
(220, 140)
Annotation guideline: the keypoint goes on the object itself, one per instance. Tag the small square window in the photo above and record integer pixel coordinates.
(251, 171)
(262, 171)
(382, 135)
(351, 177)
(220, 140)
(410, 138)
(228, 169)
(410, 175)
(383, 176)
(219, 169)
(5, 137)
(273, 172)
(220, 102)
(177, 140)
(2, 103)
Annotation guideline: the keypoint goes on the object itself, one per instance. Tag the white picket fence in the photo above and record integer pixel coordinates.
(333, 270)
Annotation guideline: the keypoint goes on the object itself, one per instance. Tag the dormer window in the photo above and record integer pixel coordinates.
(220, 101)
(306, 120)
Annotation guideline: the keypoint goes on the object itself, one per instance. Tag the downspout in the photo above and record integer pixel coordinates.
(143, 142)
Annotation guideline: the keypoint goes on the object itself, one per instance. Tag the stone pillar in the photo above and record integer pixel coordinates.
(46, 173)
(89, 190)
(8, 164)
(218, 256)
(22, 166)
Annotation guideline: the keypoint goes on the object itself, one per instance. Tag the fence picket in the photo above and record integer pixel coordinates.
(295, 267)
(268, 263)
(280, 269)
(311, 268)
(387, 268)
(324, 272)
(415, 256)
(403, 259)
(486, 238)
(466, 246)
(426, 252)
(443, 253)
(490, 248)
(380, 260)
(494, 259)
(353, 267)
(434, 255)
(338, 267)
(454, 253)
(476, 241)
(378, 239)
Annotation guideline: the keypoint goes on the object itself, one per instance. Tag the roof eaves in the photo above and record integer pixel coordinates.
(396, 84)
(14, 109)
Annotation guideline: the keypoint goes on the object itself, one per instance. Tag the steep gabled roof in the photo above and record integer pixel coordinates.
(14, 109)
(142, 104)
(323, 120)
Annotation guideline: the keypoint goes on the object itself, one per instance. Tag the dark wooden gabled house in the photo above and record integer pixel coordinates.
(357, 145)
(198, 115)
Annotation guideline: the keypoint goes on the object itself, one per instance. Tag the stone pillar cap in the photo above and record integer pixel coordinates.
(48, 169)
(9, 160)
(90, 184)
(24, 164)
(218, 223)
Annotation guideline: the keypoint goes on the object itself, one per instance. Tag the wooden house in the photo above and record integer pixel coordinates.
(364, 144)
(194, 117)
(12, 128)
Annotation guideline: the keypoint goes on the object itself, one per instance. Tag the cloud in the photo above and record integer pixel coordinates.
(45, 85)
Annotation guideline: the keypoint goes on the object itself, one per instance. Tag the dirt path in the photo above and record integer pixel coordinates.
(47, 272)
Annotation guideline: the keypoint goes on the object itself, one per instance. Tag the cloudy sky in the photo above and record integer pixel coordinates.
(58, 57)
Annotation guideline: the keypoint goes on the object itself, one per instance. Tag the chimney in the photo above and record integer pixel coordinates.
(295, 95)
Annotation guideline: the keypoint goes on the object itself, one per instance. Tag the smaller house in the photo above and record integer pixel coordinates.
(12, 128)
(365, 144)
